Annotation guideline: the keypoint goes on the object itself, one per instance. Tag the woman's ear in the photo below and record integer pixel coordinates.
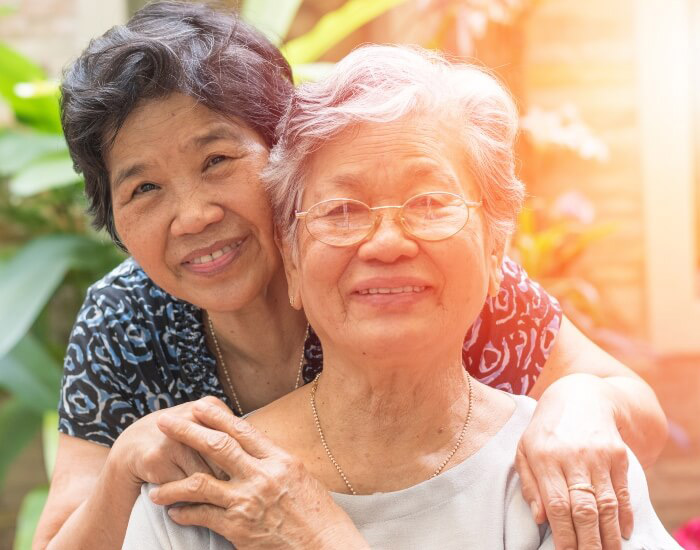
(291, 271)
(495, 269)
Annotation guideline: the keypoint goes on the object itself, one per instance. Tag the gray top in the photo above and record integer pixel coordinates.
(477, 500)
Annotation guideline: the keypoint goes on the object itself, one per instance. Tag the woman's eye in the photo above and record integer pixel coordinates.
(218, 159)
(144, 188)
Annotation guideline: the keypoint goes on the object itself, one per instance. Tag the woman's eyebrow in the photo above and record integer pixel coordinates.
(128, 172)
(215, 133)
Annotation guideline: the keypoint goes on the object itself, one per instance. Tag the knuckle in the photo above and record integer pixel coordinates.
(244, 429)
(584, 513)
(623, 496)
(607, 505)
(220, 442)
(196, 483)
(558, 508)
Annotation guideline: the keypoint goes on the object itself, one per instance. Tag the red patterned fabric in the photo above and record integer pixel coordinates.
(509, 352)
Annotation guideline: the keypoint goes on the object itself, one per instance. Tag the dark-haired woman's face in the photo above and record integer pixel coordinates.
(189, 206)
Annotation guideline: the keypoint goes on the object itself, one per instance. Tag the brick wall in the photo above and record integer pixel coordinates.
(584, 53)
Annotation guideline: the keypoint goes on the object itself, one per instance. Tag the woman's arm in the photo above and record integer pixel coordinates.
(86, 489)
(589, 406)
(638, 414)
(92, 482)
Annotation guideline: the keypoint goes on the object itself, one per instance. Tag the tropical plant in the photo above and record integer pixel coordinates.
(49, 254)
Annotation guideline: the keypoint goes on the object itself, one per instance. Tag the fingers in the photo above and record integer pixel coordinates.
(584, 513)
(216, 446)
(252, 441)
(531, 492)
(199, 488)
(607, 511)
(618, 475)
(191, 462)
(202, 515)
(555, 497)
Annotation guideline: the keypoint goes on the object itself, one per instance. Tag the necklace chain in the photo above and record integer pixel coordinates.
(222, 364)
(439, 469)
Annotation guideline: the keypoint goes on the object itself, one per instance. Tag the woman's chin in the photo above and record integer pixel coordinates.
(389, 336)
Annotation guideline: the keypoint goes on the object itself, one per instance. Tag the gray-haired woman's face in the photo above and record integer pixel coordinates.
(188, 203)
(392, 291)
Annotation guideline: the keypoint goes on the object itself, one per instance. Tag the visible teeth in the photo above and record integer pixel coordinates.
(396, 290)
(216, 254)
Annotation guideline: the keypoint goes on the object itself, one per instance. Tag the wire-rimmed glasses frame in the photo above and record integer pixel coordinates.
(431, 216)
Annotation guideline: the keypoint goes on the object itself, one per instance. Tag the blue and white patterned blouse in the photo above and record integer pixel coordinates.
(136, 349)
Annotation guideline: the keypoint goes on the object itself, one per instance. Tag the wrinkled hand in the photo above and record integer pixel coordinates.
(150, 456)
(572, 439)
(270, 502)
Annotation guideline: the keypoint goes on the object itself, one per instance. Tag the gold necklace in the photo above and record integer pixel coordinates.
(220, 356)
(335, 462)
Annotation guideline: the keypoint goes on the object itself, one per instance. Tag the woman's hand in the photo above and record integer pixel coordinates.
(150, 456)
(573, 439)
(271, 501)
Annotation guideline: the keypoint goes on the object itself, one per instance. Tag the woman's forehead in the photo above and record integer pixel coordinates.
(410, 153)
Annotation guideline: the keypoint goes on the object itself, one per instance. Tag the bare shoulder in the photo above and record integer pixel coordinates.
(286, 421)
(492, 408)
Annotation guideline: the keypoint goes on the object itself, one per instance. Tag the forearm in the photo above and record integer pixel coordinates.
(101, 520)
(638, 414)
(640, 419)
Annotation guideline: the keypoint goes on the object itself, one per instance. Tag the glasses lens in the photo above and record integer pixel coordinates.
(339, 222)
(435, 216)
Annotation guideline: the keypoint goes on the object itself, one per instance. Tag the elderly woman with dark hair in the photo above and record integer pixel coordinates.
(170, 119)
(394, 192)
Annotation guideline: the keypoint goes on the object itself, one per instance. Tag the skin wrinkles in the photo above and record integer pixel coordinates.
(376, 160)
(204, 189)
(386, 143)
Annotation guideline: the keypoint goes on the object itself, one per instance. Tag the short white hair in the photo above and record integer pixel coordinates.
(376, 84)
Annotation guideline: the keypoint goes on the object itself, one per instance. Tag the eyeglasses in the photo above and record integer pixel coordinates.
(430, 216)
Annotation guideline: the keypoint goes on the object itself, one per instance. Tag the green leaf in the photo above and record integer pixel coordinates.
(333, 27)
(7, 10)
(272, 17)
(18, 149)
(49, 437)
(31, 375)
(40, 112)
(46, 173)
(30, 278)
(311, 72)
(28, 518)
(18, 425)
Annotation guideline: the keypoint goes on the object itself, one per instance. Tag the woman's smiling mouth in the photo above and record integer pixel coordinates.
(395, 290)
(215, 260)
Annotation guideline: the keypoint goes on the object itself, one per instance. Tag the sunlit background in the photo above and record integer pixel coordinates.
(609, 94)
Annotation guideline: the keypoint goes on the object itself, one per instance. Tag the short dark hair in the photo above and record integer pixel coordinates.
(166, 47)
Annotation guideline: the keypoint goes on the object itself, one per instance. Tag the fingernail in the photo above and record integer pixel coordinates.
(153, 494)
(166, 419)
(627, 533)
(533, 507)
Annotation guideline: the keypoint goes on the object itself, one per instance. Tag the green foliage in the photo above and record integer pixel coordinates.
(31, 375)
(28, 518)
(334, 27)
(272, 17)
(18, 425)
(40, 110)
(49, 439)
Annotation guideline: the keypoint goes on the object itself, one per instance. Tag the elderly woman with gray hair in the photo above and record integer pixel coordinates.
(394, 193)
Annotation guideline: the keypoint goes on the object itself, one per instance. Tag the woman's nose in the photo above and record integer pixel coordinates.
(388, 243)
(194, 213)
